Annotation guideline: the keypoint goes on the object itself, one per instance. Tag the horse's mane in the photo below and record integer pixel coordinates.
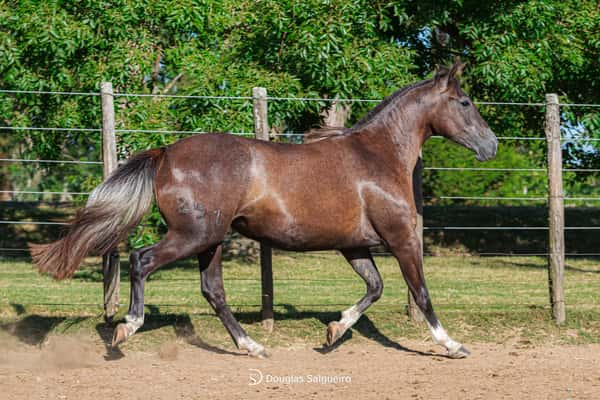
(316, 134)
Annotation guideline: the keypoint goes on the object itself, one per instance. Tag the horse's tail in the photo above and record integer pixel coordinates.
(113, 208)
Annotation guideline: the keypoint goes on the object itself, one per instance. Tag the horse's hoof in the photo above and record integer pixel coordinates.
(334, 332)
(120, 335)
(461, 352)
(259, 353)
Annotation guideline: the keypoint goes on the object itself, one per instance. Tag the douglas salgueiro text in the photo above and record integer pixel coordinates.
(307, 379)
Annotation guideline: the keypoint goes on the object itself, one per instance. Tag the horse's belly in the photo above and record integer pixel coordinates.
(306, 234)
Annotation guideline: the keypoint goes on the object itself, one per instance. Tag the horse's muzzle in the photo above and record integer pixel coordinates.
(486, 149)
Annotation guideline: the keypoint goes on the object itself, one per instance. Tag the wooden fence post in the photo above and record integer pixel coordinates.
(110, 261)
(556, 212)
(261, 132)
(413, 310)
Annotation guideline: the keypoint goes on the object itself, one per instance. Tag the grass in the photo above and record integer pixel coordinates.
(491, 299)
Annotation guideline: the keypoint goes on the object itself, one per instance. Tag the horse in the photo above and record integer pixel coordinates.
(348, 192)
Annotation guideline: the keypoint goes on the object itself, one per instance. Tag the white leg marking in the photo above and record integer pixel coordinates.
(440, 337)
(133, 324)
(349, 317)
(253, 348)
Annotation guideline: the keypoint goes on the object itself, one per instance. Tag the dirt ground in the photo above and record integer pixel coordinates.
(76, 368)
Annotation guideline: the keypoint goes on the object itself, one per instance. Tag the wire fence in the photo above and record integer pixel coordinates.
(272, 134)
(300, 135)
(274, 98)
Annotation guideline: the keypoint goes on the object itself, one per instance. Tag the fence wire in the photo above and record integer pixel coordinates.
(273, 98)
(272, 134)
(301, 134)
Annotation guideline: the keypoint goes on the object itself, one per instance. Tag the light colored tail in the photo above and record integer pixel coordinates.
(112, 210)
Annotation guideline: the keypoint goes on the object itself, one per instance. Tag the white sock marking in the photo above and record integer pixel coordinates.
(246, 343)
(349, 317)
(440, 336)
(133, 324)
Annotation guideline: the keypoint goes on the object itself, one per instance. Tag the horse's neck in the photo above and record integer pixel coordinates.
(401, 128)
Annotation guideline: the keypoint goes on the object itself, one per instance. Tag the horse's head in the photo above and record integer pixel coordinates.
(456, 117)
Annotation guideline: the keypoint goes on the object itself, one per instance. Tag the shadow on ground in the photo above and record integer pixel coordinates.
(31, 329)
(34, 329)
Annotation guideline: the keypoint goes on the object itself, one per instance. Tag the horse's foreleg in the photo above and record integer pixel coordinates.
(214, 292)
(408, 253)
(363, 264)
(142, 263)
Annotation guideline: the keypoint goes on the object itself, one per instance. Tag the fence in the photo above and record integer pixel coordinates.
(555, 198)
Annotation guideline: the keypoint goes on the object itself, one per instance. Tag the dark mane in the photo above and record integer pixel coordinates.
(317, 134)
(397, 94)
(314, 135)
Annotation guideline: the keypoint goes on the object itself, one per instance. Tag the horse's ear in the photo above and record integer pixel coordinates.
(456, 69)
(441, 77)
(441, 73)
(444, 76)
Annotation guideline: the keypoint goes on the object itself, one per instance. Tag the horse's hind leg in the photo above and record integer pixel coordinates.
(214, 292)
(174, 246)
(363, 264)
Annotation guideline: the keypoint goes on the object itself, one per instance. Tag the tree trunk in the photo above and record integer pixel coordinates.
(5, 183)
(336, 115)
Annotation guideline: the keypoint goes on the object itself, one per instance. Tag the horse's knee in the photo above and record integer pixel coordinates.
(206, 292)
(422, 299)
(376, 290)
(215, 296)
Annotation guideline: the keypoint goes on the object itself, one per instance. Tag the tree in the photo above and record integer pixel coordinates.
(516, 51)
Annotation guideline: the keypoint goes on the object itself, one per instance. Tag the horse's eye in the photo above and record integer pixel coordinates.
(464, 103)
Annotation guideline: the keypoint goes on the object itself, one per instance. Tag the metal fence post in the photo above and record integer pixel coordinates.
(556, 212)
(261, 132)
(414, 313)
(110, 261)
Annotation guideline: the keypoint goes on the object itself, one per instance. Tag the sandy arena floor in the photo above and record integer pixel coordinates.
(69, 368)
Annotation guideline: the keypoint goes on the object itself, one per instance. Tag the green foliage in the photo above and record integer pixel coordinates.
(516, 51)
(438, 153)
(336, 47)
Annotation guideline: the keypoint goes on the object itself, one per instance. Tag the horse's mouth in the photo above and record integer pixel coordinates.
(487, 150)
(484, 144)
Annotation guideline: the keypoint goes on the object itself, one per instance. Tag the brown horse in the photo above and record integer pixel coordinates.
(348, 191)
